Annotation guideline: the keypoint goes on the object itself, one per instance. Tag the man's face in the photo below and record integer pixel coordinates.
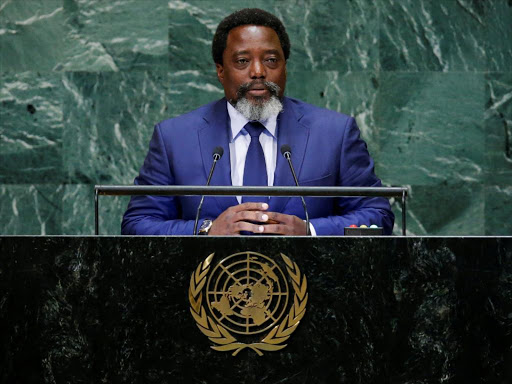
(253, 55)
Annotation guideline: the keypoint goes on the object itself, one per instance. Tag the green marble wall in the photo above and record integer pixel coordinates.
(82, 82)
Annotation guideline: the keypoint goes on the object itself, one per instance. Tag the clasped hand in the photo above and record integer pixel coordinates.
(254, 217)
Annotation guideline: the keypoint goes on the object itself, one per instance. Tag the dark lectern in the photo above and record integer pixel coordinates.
(255, 309)
(379, 310)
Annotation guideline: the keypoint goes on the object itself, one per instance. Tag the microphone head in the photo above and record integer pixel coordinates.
(218, 151)
(285, 148)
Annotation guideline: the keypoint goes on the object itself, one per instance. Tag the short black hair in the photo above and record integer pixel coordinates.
(248, 16)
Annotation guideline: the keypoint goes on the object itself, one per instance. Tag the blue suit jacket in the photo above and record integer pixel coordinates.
(327, 151)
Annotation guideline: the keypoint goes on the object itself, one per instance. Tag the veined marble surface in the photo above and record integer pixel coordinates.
(82, 83)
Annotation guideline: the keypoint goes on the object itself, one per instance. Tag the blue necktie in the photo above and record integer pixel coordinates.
(255, 170)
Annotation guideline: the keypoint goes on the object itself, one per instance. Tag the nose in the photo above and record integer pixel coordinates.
(257, 70)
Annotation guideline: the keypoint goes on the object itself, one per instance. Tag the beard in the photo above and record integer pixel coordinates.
(258, 108)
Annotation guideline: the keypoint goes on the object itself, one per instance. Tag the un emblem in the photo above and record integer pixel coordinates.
(247, 296)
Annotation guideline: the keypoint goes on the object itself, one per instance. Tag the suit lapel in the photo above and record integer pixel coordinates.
(215, 132)
(296, 135)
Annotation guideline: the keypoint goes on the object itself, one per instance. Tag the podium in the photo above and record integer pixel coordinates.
(379, 310)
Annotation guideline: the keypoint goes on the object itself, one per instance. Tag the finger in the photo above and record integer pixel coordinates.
(276, 217)
(276, 229)
(249, 227)
(250, 207)
(252, 216)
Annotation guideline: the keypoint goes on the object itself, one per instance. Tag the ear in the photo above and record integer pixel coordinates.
(220, 72)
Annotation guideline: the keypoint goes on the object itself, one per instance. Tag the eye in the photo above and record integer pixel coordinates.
(272, 60)
(242, 61)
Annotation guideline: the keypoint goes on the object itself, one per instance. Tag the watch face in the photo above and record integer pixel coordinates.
(205, 227)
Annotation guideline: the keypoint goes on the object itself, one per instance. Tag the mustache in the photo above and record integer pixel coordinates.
(273, 88)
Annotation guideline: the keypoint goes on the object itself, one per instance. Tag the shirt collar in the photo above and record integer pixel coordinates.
(238, 121)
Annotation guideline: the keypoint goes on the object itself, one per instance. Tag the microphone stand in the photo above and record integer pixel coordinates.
(217, 154)
(288, 156)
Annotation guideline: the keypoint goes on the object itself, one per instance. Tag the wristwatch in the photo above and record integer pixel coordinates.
(205, 227)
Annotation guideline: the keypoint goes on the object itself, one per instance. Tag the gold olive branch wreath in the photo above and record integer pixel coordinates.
(220, 336)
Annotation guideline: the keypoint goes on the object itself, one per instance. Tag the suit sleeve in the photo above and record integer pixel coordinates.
(155, 215)
(356, 168)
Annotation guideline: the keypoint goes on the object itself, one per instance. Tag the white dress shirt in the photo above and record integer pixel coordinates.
(239, 144)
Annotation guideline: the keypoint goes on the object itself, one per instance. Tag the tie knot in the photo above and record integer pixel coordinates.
(254, 128)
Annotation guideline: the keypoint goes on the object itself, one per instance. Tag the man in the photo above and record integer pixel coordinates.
(250, 50)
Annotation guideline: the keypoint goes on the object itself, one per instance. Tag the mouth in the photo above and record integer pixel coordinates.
(258, 91)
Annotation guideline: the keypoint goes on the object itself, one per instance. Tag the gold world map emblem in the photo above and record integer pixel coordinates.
(247, 296)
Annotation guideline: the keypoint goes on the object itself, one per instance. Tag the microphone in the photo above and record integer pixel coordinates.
(217, 154)
(286, 151)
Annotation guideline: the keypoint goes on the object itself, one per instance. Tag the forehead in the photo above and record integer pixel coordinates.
(252, 37)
